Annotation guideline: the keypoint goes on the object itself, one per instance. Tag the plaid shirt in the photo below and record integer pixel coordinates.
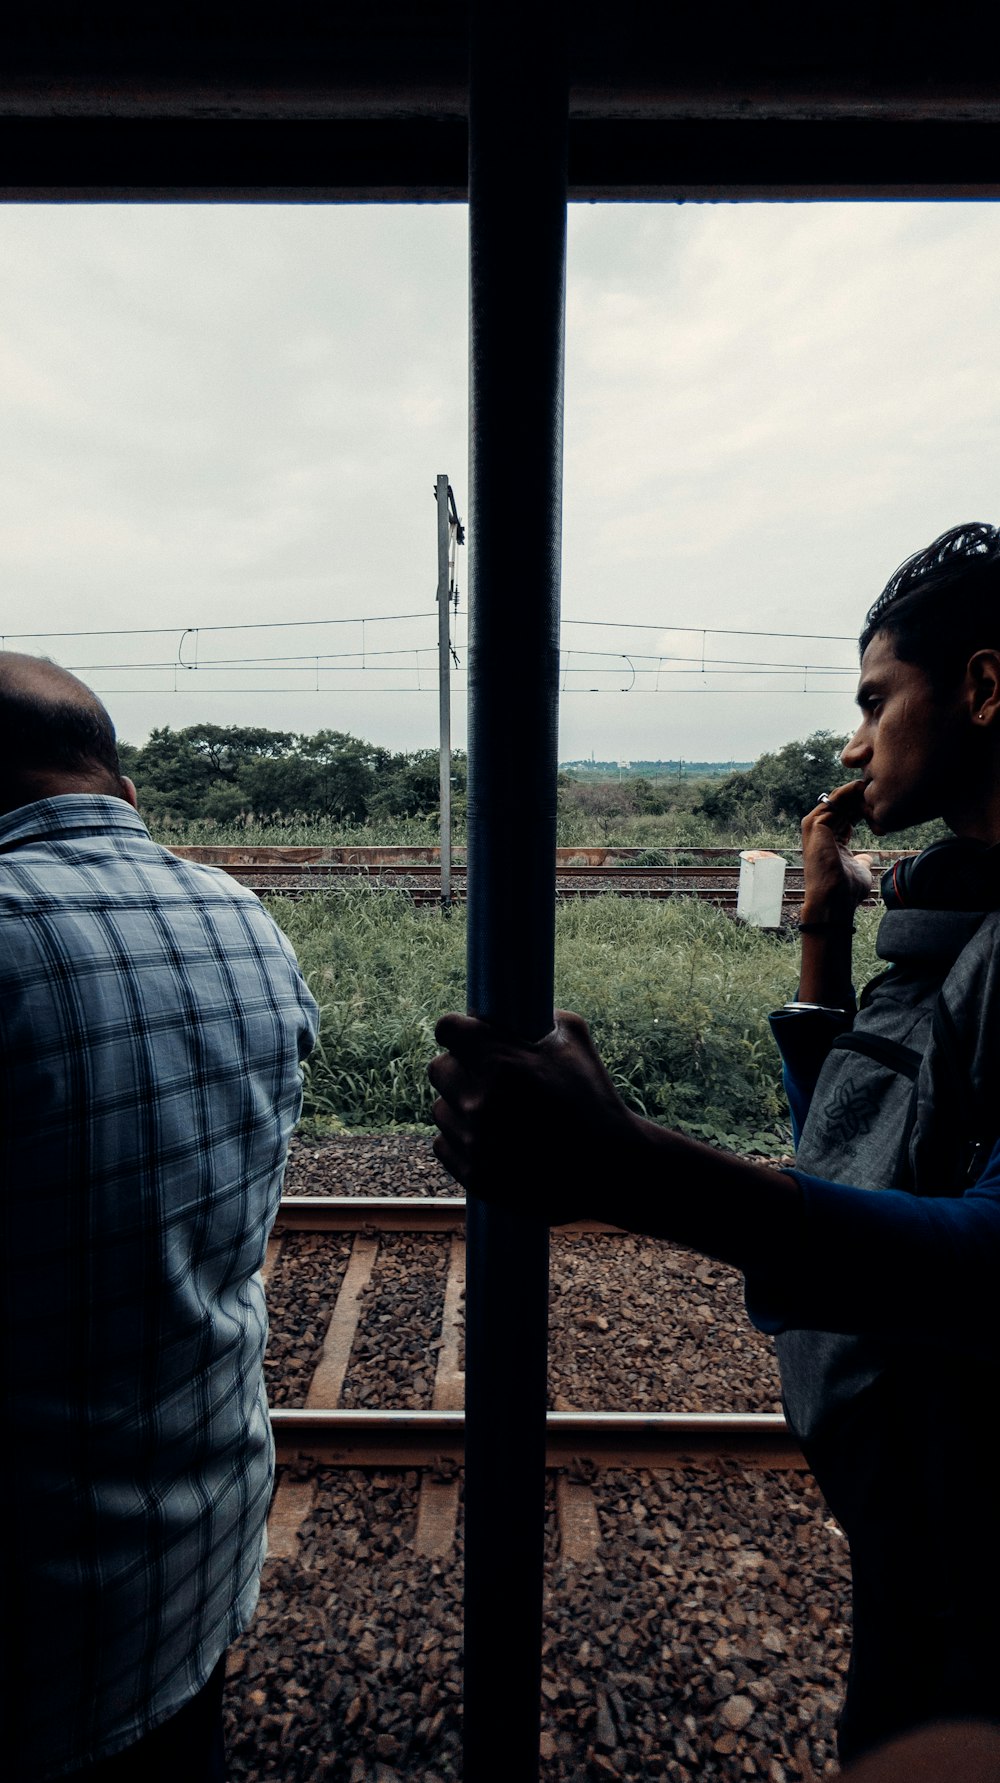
(152, 1024)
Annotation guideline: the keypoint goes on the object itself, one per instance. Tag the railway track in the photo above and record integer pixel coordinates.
(711, 875)
(696, 1593)
(323, 1431)
(350, 1436)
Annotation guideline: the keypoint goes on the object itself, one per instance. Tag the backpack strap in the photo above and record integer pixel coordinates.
(963, 1108)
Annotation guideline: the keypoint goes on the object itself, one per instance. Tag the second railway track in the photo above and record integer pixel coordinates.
(711, 875)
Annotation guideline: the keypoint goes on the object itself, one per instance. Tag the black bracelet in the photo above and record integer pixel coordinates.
(821, 928)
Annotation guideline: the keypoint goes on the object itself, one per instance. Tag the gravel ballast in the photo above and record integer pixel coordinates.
(635, 1324)
(300, 1299)
(706, 1638)
(393, 1359)
(366, 1164)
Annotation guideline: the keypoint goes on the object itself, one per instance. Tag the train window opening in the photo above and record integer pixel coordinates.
(766, 405)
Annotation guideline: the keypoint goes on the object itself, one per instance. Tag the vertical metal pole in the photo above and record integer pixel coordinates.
(444, 685)
(517, 228)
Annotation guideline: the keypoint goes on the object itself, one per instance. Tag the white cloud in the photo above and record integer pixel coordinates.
(220, 414)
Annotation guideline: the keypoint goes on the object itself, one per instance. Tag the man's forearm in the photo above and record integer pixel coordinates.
(825, 975)
(540, 1129)
(672, 1187)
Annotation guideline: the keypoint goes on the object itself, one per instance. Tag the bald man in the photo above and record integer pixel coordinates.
(55, 736)
(153, 1022)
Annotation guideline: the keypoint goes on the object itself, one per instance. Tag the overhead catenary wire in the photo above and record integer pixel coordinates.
(431, 688)
(139, 631)
(717, 631)
(651, 672)
(730, 665)
(250, 663)
(136, 631)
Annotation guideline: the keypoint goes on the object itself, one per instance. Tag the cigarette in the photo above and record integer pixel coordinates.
(824, 798)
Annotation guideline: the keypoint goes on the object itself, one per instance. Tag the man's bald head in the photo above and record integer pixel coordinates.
(55, 735)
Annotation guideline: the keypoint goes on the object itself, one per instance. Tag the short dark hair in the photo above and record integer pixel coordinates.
(39, 734)
(942, 604)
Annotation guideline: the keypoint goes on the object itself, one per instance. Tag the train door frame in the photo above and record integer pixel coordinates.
(523, 132)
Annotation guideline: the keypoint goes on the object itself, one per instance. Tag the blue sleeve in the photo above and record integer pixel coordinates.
(804, 1037)
(916, 1267)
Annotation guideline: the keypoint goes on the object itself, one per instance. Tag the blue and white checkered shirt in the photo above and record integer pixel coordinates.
(153, 1021)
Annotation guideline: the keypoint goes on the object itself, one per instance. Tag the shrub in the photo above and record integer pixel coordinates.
(676, 993)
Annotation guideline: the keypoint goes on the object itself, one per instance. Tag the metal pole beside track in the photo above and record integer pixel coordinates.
(444, 686)
(517, 230)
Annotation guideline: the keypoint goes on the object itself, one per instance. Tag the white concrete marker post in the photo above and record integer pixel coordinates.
(762, 888)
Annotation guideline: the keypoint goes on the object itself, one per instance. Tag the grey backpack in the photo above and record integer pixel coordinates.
(900, 1103)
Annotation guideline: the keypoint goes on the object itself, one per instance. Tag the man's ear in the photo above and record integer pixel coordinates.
(983, 684)
(129, 793)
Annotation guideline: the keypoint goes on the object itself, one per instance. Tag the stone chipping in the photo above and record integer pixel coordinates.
(366, 1164)
(394, 1356)
(300, 1298)
(705, 1637)
(635, 1324)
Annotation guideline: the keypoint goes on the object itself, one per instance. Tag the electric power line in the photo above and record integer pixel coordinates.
(182, 631)
(677, 692)
(148, 631)
(725, 665)
(651, 672)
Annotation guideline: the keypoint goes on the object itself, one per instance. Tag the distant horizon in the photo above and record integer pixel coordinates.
(668, 764)
(662, 765)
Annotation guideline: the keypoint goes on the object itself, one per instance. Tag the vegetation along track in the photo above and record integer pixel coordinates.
(711, 874)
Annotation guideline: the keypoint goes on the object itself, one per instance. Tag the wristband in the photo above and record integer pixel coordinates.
(845, 924)
(812, 1009)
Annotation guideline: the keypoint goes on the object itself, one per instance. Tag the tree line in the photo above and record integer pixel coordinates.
(781, 786)
(778, 788)
(222, 772)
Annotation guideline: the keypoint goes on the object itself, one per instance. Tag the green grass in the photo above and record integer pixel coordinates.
(676, 993)
(670, 830)
(381, 972)
(295, 832)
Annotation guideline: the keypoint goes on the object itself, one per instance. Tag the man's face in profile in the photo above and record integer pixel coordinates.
(911, 745)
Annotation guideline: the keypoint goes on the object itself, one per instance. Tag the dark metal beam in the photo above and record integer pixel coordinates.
(150, 159)
(517, 244)
(424, 159)
(391, 58)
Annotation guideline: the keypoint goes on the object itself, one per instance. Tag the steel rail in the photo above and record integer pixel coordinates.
(407, 872)
(422, 895)
(427, 854)
(389, 1213)
(297, 872)
(602, 1439)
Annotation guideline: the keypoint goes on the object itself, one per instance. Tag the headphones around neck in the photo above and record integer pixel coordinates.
(955, 874)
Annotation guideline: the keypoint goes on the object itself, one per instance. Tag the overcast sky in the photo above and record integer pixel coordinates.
(220, 415)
